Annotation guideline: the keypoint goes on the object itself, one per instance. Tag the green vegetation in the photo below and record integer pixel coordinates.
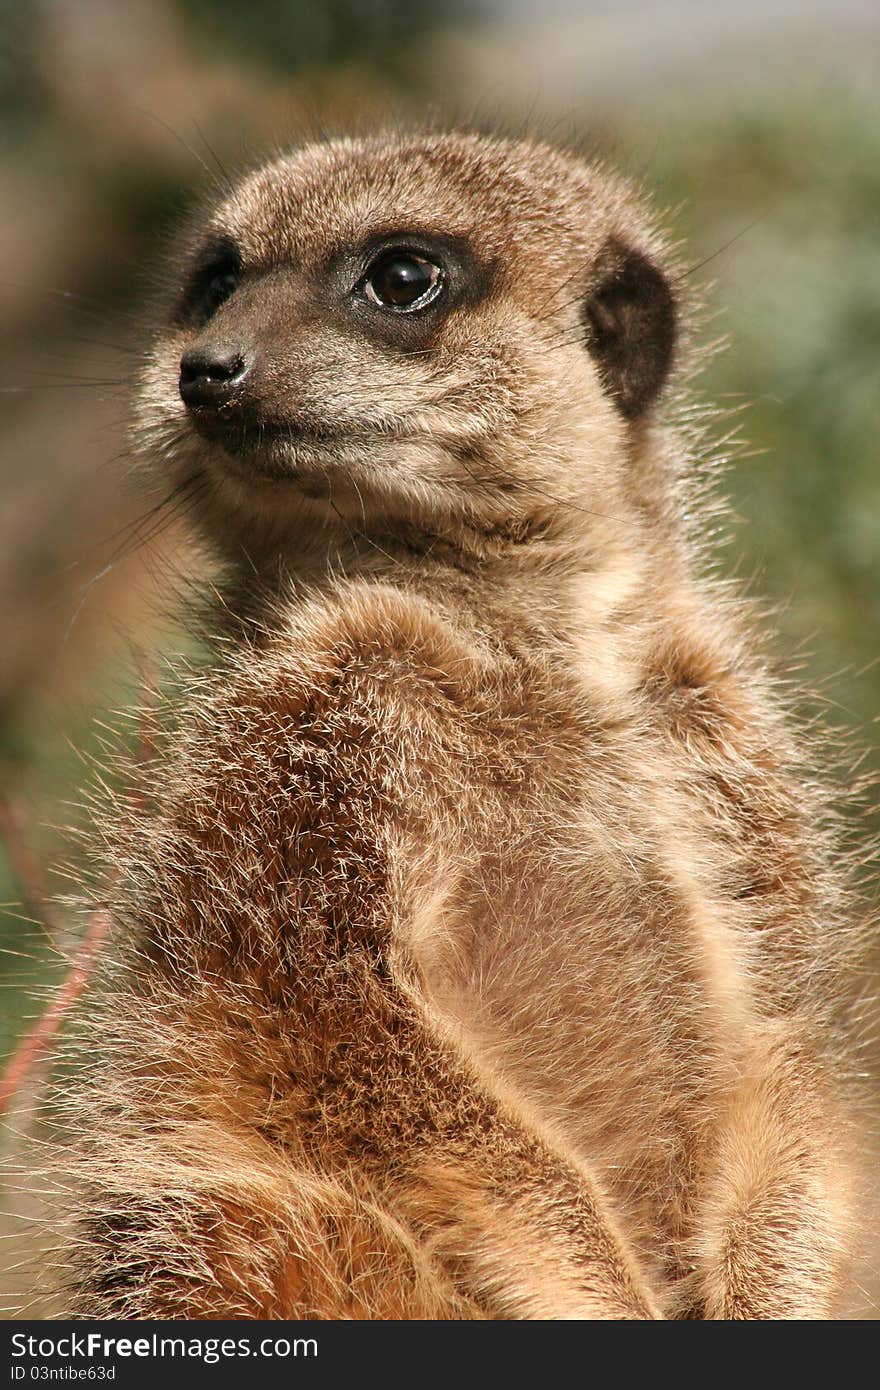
(785, 201)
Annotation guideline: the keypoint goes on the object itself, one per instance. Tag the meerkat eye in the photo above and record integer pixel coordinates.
(402, 281)
(215, 278)
(218, 289)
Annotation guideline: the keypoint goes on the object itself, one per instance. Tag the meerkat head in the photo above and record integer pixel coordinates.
(442, 333)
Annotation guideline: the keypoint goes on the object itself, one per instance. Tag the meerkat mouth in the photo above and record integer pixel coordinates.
(272, 452)
(278, 466)
(287, 467)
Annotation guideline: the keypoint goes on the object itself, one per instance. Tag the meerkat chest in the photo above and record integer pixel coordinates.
(582, 954)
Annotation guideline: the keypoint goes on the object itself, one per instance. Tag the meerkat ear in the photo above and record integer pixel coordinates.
(631, 328)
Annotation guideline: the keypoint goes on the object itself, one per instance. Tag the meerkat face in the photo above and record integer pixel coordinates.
(416, 331)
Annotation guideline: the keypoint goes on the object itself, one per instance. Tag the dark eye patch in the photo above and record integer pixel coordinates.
(214, 276)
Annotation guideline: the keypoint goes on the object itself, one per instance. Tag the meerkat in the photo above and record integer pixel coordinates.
(483, 933)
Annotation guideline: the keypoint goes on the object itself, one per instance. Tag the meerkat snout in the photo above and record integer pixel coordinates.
(210, 378)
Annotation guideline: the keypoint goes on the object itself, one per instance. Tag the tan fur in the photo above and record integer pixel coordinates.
(484, 934)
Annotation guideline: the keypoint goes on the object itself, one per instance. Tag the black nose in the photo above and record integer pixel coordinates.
(209, 376)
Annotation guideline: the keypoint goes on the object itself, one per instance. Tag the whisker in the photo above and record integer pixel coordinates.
(20, 390)
(224, 173)
(125, 348)
(692, 270)
(83, 377)
(184, 144)
(181, 507)
(87, 306)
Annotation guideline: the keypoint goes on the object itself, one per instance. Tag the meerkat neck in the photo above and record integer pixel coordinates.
(520, 587)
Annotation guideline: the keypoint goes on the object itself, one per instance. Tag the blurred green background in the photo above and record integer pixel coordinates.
(759, 125)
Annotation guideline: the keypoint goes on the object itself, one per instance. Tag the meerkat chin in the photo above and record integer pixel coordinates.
(484, 929)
